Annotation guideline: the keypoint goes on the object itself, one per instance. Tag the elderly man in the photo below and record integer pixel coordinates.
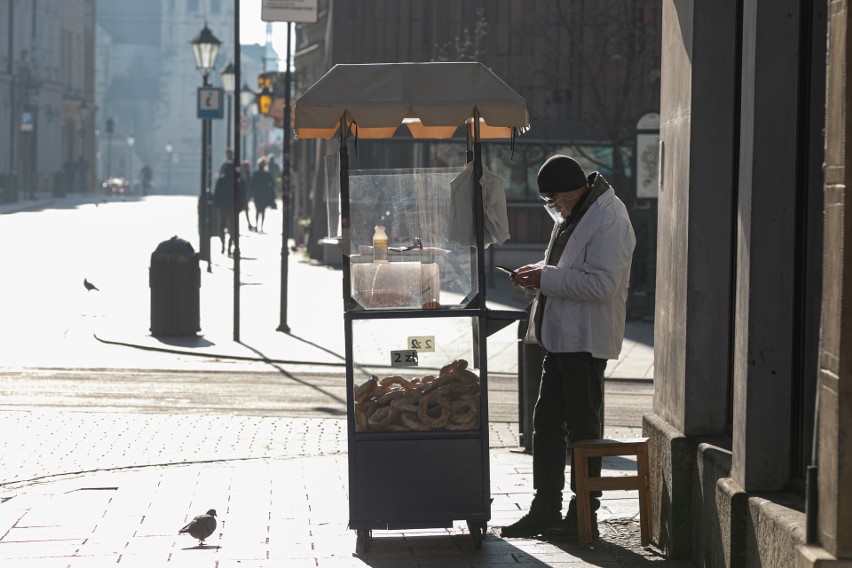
(578, 318)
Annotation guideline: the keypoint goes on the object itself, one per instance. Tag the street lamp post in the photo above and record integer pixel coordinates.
(227, 76)
(169, 149)
(253, 113)
(246, 99)
(237, 181)
(110, 127)
(286, 205)
(130, 142)
(205, 48)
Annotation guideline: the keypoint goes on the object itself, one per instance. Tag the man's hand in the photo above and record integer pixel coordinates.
(528, 276)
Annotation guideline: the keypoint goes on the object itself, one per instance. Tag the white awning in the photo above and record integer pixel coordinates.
(432, 99)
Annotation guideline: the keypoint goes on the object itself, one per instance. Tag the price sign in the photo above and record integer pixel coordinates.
(422, 343)
(404, 358)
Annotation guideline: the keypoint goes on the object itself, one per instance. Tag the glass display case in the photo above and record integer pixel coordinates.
(416, 379)
(425, 267)
(414, 375)
(415, 316)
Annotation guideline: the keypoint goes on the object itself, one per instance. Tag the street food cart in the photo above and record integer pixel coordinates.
(415, 315)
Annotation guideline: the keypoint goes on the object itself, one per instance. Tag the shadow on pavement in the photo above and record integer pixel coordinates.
(184, 341)
(285, 373)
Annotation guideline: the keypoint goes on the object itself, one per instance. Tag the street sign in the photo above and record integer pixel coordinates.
(27, 121)
(647, 152)
(304, 11)
(211, 102)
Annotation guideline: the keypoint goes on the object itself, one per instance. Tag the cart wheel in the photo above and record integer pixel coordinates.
(362, 544)
(477, 532)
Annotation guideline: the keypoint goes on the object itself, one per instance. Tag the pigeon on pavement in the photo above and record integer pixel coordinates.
(201, 526)
(89, 286)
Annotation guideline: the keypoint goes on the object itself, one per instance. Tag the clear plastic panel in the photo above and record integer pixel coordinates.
(425, 270)
(332, 195)
(413, 375)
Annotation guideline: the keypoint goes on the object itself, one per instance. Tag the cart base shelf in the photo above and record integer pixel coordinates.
(476, 528)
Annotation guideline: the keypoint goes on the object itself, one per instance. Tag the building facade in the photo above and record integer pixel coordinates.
(750, 432)
(147, 84)
(47, 99)
(588, 71)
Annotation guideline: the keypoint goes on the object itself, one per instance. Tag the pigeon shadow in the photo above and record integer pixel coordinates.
(202, 547)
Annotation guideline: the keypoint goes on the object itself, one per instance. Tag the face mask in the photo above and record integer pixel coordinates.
(554, 214)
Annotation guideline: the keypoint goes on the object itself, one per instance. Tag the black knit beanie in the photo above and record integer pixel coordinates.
(560, 173)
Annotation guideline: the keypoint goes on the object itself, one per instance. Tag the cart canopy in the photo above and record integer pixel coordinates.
(432, 99)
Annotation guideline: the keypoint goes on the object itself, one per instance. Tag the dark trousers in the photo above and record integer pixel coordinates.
(570, 404)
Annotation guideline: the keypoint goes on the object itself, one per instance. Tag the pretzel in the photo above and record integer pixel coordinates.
(465, 375)
(450, 367)
(408, 403)
(396, 380)
(422, 381)
(428, 403)
(411, 421)
(464, 411)
(364, 390)
(360, 417)
(381, 418)
(389, 396)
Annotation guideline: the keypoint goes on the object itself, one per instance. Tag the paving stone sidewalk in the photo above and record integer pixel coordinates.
(123, 484)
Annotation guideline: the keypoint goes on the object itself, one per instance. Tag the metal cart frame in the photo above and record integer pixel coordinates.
(449, 469)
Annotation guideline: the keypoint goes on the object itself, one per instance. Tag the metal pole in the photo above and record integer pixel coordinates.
(243, 112)
(228, 129)
(13, 114)
(203, 210)
(285, 192)
(208, 197)
(238, 198)
(109, 153)
(253, 137)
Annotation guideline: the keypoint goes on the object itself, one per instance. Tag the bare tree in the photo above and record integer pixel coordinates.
(470, 44)
(604, 57)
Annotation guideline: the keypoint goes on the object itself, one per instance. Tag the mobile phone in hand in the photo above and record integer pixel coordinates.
(508, 271)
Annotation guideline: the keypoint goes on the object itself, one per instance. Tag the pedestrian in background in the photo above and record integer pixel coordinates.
(578, 317)
(82, 172)
(262, 192)
(146, 175)
(245, 194)
(274, 170)
(223, 199)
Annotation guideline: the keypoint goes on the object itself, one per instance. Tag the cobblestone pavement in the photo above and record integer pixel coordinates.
(109, 488)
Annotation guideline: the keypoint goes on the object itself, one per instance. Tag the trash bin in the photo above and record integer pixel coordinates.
(175, 279)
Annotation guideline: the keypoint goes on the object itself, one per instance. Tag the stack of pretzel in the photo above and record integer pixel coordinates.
(448, 401)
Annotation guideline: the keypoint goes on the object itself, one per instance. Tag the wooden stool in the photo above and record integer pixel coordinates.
(585, 449)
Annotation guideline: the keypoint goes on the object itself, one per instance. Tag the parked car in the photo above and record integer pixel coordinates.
(116, 186)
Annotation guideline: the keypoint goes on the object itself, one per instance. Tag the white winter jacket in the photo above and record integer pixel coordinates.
(587, 289)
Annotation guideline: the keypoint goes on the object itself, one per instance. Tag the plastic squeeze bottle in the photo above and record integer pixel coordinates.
(380, 244)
